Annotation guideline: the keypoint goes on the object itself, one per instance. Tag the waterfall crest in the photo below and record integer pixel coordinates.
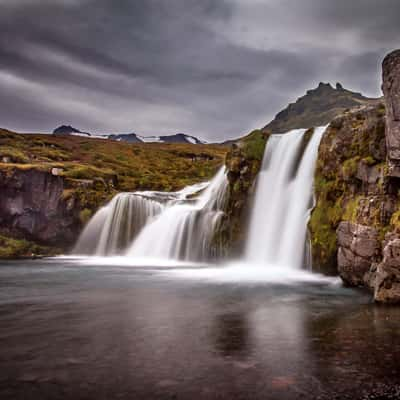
(283, 200)
(184, 231)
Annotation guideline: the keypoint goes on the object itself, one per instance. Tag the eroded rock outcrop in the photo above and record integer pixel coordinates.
(45, 208)
(350, 183)
(391, 90)
(355, 226)
(385, 278)
(359, 248)
(243, 163)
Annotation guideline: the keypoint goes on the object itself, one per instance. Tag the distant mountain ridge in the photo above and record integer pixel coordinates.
(68, 130)
(317, 107)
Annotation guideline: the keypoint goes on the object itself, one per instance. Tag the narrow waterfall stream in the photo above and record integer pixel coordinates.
(283, 200)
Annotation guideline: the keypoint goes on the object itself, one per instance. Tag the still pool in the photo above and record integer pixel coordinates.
(84, 329)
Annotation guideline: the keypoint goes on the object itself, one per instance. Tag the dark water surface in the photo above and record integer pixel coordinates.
(73, 331)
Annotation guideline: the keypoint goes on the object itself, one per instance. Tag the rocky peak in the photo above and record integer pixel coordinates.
(68, 130)
(317, 107)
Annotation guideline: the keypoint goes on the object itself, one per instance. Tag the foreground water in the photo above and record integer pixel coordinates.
(83, 329)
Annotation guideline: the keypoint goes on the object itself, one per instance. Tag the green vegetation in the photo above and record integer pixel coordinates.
(19, 248)
(350, 150)
(131, 166)
(253, 145)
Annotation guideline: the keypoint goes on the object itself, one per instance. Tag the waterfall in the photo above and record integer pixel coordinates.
(114, 226)
(184, 230)
(283, 200)
(182, 225)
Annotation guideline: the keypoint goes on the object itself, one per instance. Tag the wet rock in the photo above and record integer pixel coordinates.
(359, 248)
(370, 176)
(386, 279)
(32, 207)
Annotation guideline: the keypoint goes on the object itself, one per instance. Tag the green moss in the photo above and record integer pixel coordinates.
(395, 221)
(350, 212)
(340, 196)
(350, 166)
(20, 248)
(323, 236)
(253, 145)
(369, 160)
(79, 171)
(85, 215)
(15, 155)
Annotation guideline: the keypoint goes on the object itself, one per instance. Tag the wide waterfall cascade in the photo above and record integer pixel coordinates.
(283, 200)
(113, 227)
(184, 230)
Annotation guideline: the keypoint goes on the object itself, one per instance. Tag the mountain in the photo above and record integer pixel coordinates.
(67, 130)
(317, 108)
(128, 138)
(178, 138)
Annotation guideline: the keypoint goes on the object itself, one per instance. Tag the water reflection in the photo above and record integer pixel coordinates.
(103, 332)
(231, 334)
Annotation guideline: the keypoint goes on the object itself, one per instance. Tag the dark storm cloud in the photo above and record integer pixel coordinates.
(212, 68)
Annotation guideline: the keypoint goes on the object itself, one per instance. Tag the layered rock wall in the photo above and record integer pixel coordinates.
(243, 163)
(45, 208)
(391, 90)
(355, 226)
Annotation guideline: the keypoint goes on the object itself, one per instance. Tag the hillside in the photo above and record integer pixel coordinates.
(317, 108)
(157, 166)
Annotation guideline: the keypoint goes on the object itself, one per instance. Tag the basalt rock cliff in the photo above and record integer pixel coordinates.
(243, 162)
(42, 212)
(355, 226)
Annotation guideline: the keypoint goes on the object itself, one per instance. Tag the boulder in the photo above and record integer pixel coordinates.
(386, 279)
(359, 248)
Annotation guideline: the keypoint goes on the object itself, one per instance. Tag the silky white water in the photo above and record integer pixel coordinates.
(283, 200)
(184, 231)
(168, 225)
(114, 226)
(181, 226)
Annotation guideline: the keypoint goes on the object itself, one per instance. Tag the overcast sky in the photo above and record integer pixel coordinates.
(211, 68)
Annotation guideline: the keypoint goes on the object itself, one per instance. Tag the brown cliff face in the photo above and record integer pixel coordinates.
(45, 208)
(391, 90)
(355, 225)
(32, 206)
(243, 163)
